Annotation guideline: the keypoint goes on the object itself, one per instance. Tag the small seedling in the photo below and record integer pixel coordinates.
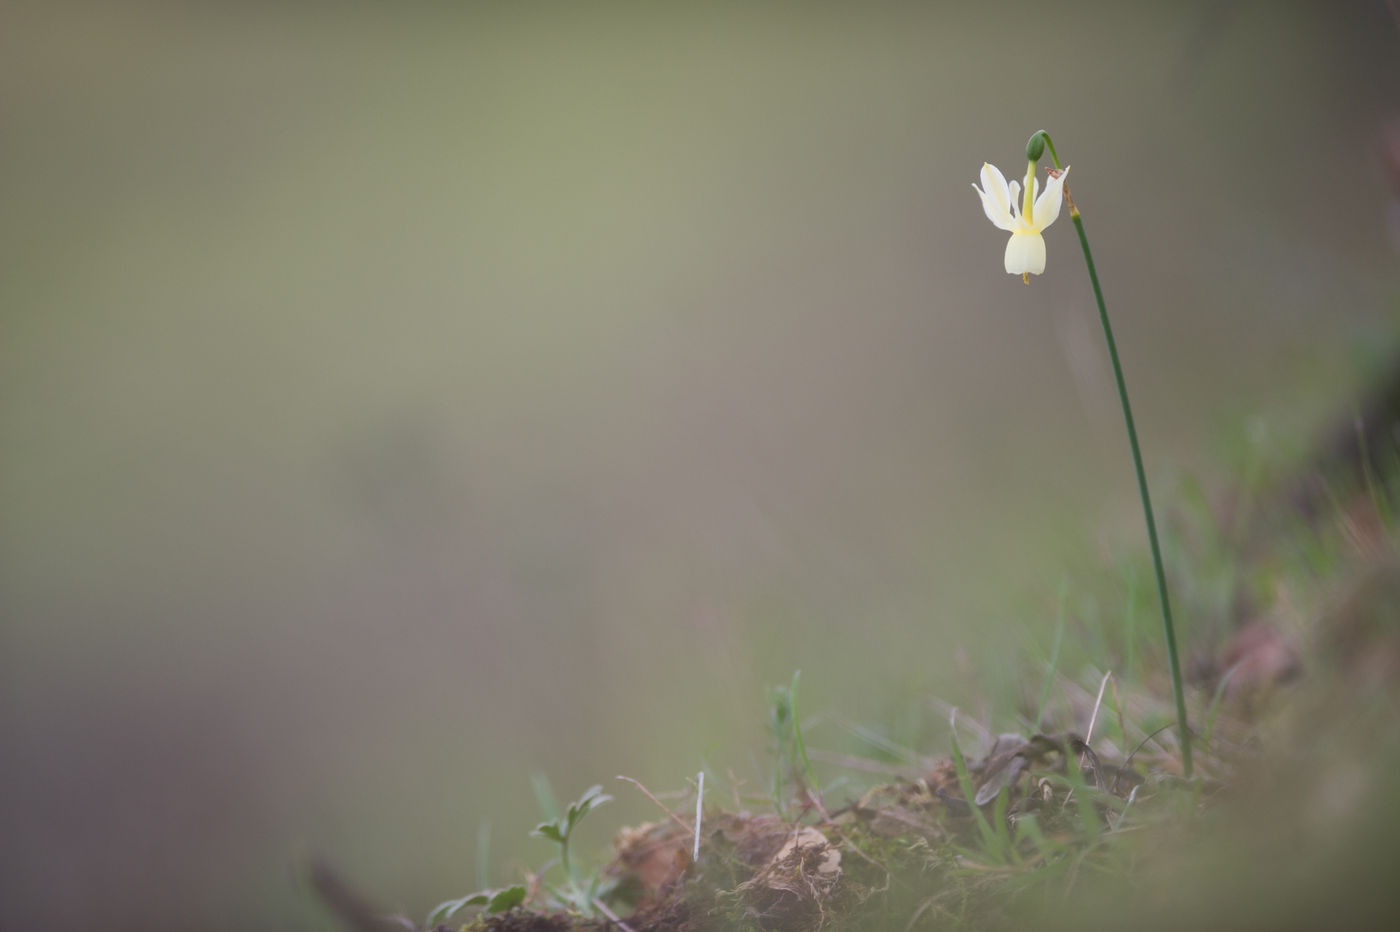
(579, 898)
(791, 749)
(560, 830)
(494, 901)
(990, 839)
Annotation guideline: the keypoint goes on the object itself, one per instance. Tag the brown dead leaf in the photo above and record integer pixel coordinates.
(655, 853)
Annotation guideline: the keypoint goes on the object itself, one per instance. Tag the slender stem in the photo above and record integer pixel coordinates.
(1169, 630)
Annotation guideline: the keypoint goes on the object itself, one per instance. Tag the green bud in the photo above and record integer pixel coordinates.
(1035, 146)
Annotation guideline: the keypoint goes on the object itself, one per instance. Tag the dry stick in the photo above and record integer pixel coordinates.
(348, 905)
(612, 916)
(646, 792)
(1094, 716)
(1089, 732)
(1143, 743)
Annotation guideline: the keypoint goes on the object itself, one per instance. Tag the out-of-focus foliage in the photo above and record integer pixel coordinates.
(400, 400)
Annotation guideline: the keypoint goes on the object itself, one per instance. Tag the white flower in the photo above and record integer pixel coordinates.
(1025, 251)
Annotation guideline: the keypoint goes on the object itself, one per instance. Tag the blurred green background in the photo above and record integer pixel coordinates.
(399, 399)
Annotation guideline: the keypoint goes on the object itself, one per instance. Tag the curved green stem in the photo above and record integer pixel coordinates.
(1030, 147)
(1168, 629)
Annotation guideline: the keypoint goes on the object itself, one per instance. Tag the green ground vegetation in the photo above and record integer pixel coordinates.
(1063, 800)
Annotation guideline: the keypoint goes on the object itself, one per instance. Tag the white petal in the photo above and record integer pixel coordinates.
(992, 177)
(1025, 252)
(996, 198)
(1047, 206)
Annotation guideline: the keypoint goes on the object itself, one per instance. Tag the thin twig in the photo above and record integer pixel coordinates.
(647, 793)
(612, 916)
(347, 904)
(1128, 805)
(1129, 759)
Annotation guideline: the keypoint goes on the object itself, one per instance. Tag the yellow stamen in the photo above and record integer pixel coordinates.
(1026, 277)
(1026, 199)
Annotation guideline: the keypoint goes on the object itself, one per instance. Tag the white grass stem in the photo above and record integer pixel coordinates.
(699, 809)
(1094, 716)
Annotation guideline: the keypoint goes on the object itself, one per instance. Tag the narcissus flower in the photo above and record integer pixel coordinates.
(1025, 251)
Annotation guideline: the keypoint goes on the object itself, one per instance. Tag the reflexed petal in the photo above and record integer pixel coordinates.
(1047, 206)
(996, 197)
(995, 211)
(1025, 252)
(992, 177)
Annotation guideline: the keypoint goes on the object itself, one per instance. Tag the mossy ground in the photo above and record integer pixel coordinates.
(1087, 820)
